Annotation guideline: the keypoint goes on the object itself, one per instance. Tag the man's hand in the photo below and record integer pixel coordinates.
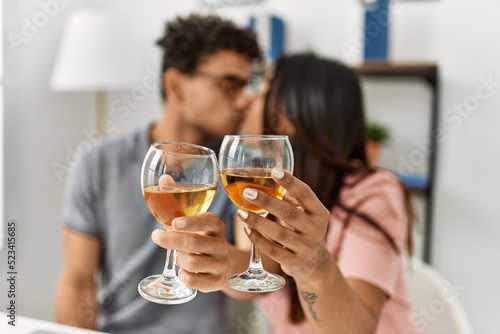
(202, 257)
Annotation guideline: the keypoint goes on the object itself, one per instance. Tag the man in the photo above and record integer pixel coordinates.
(107, 226)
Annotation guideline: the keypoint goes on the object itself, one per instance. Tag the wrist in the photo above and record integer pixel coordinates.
(317, 277)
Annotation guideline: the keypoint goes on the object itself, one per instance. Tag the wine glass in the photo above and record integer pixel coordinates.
(177, 179)
(247, 162)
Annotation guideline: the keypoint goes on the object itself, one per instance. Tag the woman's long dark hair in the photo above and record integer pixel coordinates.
(323, 100)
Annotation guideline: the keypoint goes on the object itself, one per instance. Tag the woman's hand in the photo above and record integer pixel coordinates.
(298, 244)
(202, 257)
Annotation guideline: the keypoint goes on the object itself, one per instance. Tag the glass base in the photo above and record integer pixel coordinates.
(164, 290)
(256, 281)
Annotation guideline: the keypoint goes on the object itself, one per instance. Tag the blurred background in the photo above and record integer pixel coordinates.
(450, 152)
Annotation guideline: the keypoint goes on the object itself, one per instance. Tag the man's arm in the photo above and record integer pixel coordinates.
(76, 296)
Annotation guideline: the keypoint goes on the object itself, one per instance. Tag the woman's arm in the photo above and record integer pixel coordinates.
(329, 300)
(349, 306)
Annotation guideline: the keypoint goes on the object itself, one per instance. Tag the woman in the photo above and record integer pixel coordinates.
(344, 264)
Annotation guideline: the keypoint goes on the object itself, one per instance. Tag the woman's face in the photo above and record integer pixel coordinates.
(275, 111)
(277, 121)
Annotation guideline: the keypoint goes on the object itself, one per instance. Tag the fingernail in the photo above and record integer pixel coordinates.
(155, 235)
(250, 193)
(247, 230)
(243, 214)
(278, 173)
(179, 223)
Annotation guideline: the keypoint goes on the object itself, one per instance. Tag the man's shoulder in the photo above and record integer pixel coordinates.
(120, 148)
(127, 140)
(126, 145)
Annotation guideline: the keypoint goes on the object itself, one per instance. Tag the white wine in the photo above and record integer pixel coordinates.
(168, 203)
(235, 180)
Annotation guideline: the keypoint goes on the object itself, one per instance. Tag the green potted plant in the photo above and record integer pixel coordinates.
(377, 135)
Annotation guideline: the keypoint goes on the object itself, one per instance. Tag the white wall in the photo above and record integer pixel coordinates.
(461, 35)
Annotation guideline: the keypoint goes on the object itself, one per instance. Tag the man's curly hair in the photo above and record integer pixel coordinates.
(188, 40)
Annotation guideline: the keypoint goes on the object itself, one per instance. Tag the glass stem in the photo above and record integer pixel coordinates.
(169, 270)
(255, 267)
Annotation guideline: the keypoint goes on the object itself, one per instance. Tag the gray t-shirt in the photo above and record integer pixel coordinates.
(104, 199)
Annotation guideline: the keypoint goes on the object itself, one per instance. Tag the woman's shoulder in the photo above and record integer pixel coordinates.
(379, 181)
(380, 196)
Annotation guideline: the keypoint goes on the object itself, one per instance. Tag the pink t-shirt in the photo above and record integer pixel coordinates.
(362, 252)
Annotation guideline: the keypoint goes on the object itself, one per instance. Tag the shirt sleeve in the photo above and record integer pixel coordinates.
(365, 253)
(79, 206)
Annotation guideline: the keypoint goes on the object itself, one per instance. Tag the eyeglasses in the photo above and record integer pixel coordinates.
(230, 84)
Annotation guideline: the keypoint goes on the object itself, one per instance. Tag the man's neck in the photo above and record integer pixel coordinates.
(172, 127)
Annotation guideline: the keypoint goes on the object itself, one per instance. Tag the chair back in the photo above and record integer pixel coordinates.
(436, 307)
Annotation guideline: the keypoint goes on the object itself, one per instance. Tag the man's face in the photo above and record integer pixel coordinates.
(214, 98)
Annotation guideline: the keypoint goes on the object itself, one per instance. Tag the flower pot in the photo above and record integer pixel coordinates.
(372, 149)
